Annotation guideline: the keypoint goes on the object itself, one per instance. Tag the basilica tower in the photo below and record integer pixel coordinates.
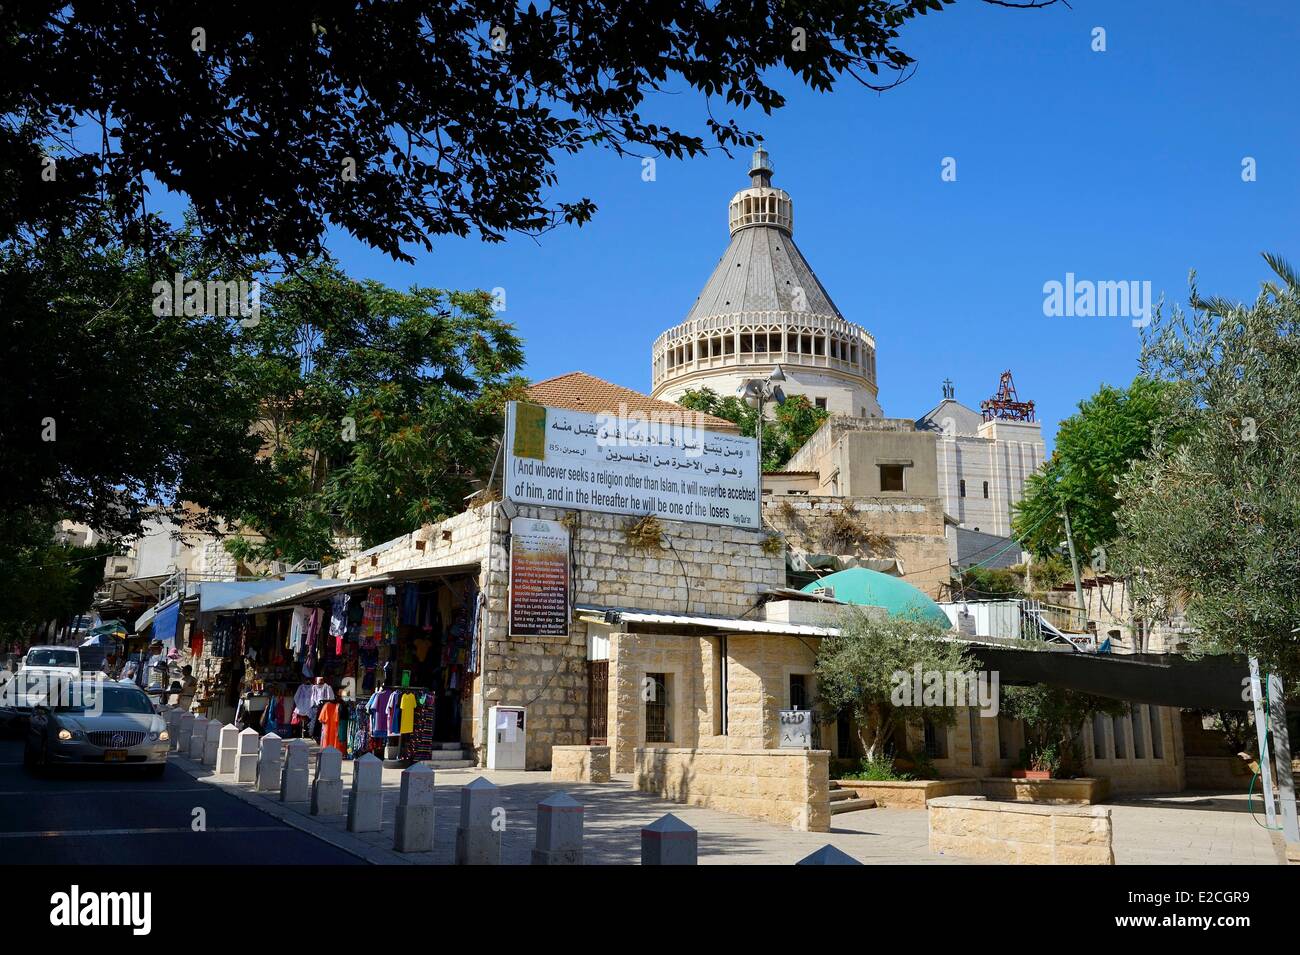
(763, 306)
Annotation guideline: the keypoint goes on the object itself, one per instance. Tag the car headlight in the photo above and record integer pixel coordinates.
(162, 736)
(65, 735)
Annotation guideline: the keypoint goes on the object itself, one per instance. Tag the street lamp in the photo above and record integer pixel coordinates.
(757, 392)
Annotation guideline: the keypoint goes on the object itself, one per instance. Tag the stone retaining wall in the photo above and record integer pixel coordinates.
(579, 764)
(1084, 791)
(1019, 833)
(787, 787)
(909, 793)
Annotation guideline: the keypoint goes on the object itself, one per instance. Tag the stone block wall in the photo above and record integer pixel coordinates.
(785, 787)
(914, 527)
(1020, 833)
(580, 764)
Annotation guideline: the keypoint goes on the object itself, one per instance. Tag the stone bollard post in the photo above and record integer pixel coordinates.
(211, 743)
(669, 841)
(828, 855)
(268, 763)
(478, 841)
(327, 788)
(198, 738)
(227, 749)
(246, 756)
(293, 775)
(559, 831)
(414, 829)
(366, 802)
(185, 735)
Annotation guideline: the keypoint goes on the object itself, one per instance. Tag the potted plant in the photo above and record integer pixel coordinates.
(1038, 762)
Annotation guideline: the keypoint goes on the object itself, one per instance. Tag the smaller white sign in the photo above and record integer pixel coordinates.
(796, 729)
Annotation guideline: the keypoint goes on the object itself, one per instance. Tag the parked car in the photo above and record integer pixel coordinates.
(99, 724)
(42, 673)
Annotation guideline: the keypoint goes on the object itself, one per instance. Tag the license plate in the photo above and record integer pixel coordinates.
(115, 756)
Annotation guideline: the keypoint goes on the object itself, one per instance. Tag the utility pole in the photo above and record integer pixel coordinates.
(1074, 564)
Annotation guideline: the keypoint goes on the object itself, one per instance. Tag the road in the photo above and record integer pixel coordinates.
(110, 817)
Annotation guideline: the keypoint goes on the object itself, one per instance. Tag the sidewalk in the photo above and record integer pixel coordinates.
(615, 813)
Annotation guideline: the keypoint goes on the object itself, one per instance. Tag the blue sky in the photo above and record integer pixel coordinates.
(1118, 165)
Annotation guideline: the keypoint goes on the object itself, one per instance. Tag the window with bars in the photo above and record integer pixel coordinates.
(1098, 736)
(1157, 740)
(657, 729)
(976, 740)
(936, 741)
(1117, 725)
(1139, 743)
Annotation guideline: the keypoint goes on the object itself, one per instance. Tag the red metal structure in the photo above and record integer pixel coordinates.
(1006, 404)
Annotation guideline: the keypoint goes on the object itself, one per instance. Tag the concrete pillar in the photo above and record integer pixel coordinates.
(366, 802)
(227, 748)
(669, 841)
(478, 838)
(327, 788)
(198, 738)
(246, 756)
(559, 831)
(293, 774)
(268, 763)
(414, 829)
(185, 735)
(828, 855)
(211, 742)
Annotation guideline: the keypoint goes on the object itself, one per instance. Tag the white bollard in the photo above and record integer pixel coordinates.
(327, 788)
(478, 838)
(414, 829)
(211, 743)
(198, 738)
(185, 735)
(293, 775)
(246, 761)
(268, 763)
(366, 802)
(669, 841)
(559, 831)
(227, 749)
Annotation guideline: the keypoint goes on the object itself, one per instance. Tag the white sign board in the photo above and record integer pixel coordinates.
(629, 463)
(796, 729)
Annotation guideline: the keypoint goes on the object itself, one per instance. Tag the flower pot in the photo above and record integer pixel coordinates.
(1031, 774)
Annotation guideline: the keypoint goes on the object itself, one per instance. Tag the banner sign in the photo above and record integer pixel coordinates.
(796, 729)
(630, 463)
(539, 578)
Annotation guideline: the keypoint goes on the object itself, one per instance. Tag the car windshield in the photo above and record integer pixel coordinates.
(51, 658)
(107, 698)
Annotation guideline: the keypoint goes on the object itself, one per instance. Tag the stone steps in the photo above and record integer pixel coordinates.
(848, 800)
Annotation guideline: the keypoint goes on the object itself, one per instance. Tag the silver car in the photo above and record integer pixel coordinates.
(97, 723)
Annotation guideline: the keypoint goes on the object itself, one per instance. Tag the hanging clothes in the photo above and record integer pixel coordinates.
(329, 724)
(338, 615)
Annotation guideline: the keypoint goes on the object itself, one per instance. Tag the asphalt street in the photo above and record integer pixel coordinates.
(113, 816)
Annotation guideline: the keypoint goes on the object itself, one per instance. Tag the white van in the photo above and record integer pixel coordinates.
(43, 668)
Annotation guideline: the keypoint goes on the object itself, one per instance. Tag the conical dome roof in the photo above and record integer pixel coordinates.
(762, 269)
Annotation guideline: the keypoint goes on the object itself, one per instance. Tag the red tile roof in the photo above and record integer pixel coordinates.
(579, 391)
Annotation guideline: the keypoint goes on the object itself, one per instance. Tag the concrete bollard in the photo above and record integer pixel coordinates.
(478, 840)
(228, 749)
(198, 738)
(293, 774)
(414, 829)
(211, 743)
(327, 788)
(559, 831)
(366, 801)
(669, 841)
(828, 855)
(247, 756)
(185, 735)
(268, 763)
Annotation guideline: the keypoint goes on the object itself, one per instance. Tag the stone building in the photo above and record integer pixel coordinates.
(763, 306)
(982, 465)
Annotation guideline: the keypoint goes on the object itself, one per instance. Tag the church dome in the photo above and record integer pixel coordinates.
(763, 305)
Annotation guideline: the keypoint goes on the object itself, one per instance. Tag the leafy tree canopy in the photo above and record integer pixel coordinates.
(397, 122)
(1094, 448)
(380, 408)
(792, 424)
(1211, 524)
(856, 674)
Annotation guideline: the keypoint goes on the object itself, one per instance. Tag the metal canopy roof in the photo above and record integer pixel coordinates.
(617, 615)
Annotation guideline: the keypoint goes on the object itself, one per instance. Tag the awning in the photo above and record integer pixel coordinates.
(619, 615)
(150, 616)
(322, 588)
